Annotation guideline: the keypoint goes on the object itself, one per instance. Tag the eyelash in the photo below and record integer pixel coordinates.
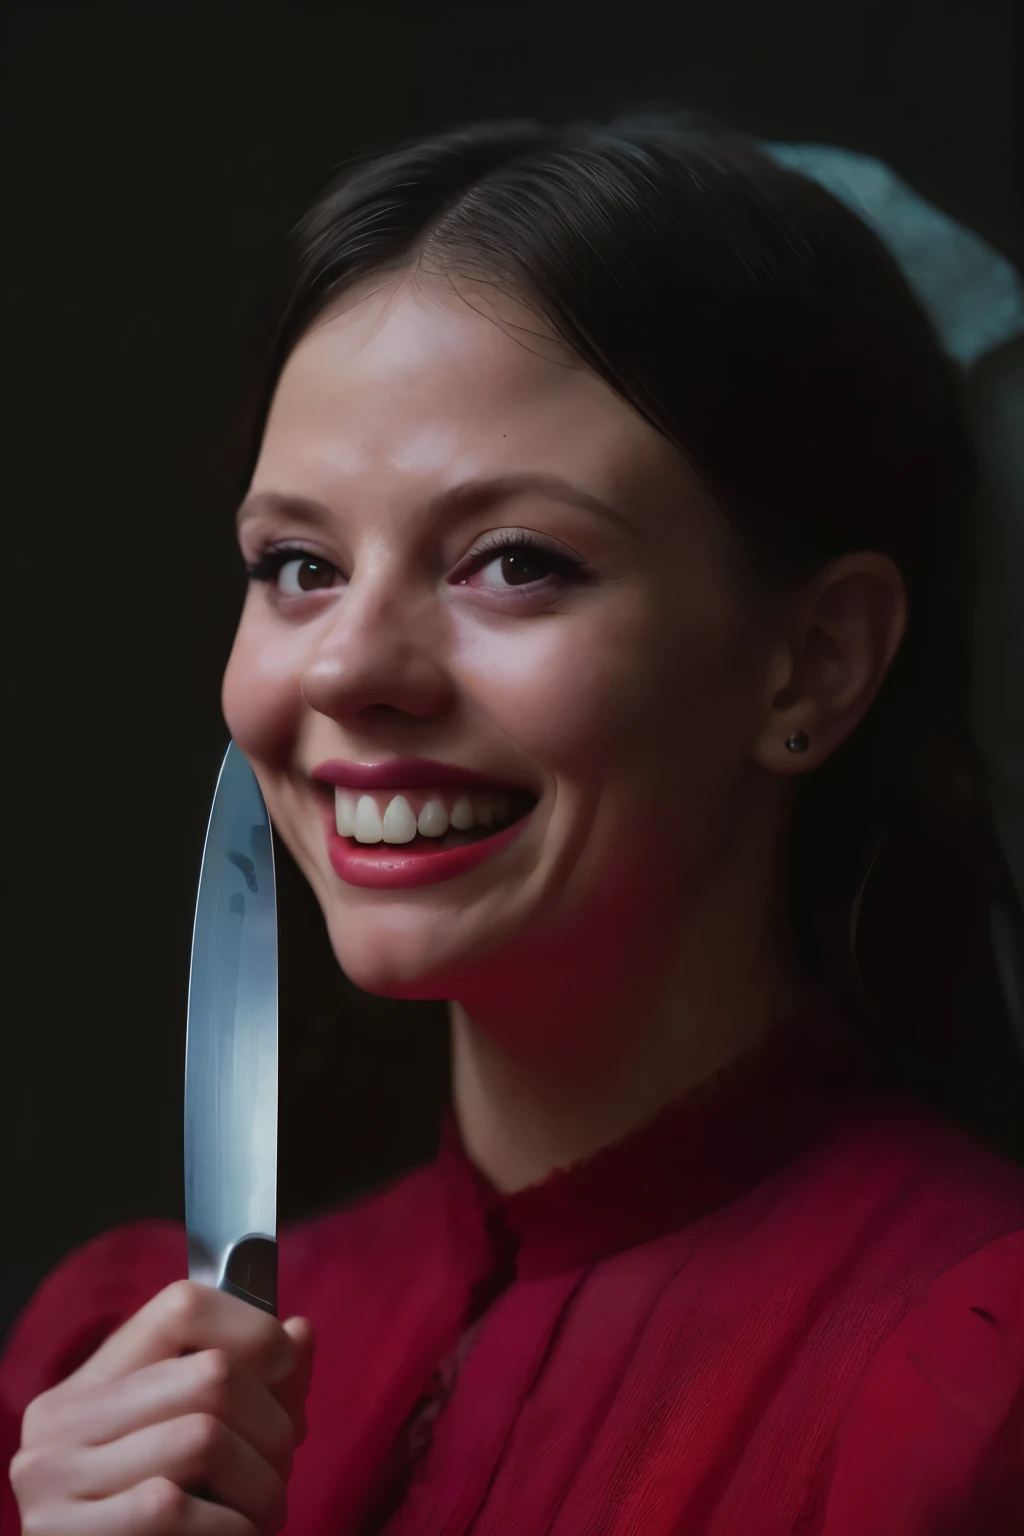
(509, 541)
(268, 566)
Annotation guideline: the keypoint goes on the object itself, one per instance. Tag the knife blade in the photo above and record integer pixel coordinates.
(231, 1049)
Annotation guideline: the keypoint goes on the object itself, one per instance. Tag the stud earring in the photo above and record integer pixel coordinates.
(798, 742)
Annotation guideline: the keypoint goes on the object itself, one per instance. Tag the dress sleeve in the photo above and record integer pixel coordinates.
(79, 1304)
(933, 1444)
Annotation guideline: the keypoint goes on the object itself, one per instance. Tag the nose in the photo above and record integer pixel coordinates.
(383, 652)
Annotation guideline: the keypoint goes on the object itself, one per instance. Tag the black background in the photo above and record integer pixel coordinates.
(159, 152)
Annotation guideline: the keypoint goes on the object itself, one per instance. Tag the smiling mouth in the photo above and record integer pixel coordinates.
(426, 820)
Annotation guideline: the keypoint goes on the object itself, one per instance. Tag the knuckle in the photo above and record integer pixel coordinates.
(215, 1371)
(266, 1330)
(24, 1469)
(288, 1438)
(270, 1505)
(201, 1440)
(160, 1505)
(280, 1453)
(20, 1469)
(39, 1417)
(37, 1521)
(281, 1441)
(182, 1302)
(277, 1353)
(277, 1510)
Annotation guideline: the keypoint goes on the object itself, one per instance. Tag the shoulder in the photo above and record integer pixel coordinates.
(938, 1418)
(873, 1216)
(918, 1228)
(934, 1437)
(904, 1191)
(877, 1281)
(883, 1204)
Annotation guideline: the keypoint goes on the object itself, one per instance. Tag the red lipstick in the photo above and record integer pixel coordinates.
(405, 866)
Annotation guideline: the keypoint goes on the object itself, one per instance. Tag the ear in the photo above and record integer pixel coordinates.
(843, 631)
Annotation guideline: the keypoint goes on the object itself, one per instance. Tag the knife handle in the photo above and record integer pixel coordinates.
(250, 1273)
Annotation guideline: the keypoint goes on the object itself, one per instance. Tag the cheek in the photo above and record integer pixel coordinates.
(643, 693)
(559, 688)
(261, 694)
(704, 680)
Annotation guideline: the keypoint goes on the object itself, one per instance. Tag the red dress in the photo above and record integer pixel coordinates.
(789, 1305)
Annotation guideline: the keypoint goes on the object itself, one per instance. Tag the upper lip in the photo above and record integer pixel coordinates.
(403, 773)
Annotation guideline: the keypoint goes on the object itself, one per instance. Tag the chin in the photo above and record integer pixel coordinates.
(404, 960)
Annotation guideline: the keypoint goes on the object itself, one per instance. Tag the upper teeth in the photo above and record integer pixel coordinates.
(397, 819)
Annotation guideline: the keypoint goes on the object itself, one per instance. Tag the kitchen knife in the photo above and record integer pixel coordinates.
(231, 1049)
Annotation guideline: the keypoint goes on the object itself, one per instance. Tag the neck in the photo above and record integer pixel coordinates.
(548, 1074)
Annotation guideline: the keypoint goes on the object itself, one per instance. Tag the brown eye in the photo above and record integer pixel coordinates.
(305, 574)
(521, 566)
(518, 559)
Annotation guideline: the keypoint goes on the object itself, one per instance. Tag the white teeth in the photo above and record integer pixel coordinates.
(433, 819)
(461, 816)
(344, 812)
(368, 827)
(399, 824)
(360, 816)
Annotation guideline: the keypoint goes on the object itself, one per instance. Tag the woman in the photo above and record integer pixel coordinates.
(603, 545)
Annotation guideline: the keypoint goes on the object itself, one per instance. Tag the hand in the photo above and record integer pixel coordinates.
(197, 1391)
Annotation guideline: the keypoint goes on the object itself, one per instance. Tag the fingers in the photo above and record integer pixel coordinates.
(155, 1508)
(209, 1382)
(191, 1452)
(198, 1391)
(293, 1391)
(194, 1451)
(188, 1317)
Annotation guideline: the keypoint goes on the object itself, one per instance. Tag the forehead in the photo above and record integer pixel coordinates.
(409, 377)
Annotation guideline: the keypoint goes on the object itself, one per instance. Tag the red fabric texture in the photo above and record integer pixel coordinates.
(790, 1305)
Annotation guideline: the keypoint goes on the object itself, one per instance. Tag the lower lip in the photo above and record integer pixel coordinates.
(403, 867)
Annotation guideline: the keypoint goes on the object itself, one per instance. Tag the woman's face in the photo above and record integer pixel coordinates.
(469, 552)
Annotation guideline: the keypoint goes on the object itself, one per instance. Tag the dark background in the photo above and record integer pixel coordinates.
(159, 152)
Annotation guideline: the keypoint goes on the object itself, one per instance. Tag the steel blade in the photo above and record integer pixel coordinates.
(231, 1048)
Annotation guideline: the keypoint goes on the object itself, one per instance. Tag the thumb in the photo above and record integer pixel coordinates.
(293, 1392)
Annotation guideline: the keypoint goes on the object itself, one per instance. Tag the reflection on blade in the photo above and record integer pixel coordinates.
(231, 1050)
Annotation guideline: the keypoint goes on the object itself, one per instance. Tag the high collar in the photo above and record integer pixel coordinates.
(700, 1153)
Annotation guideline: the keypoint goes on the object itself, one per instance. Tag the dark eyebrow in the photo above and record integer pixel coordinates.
(275, 503)
(457, 501)
(477, 495)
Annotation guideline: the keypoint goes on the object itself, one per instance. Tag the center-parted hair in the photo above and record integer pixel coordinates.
(766, 332)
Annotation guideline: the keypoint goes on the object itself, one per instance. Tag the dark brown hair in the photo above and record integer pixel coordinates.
(762, 328)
